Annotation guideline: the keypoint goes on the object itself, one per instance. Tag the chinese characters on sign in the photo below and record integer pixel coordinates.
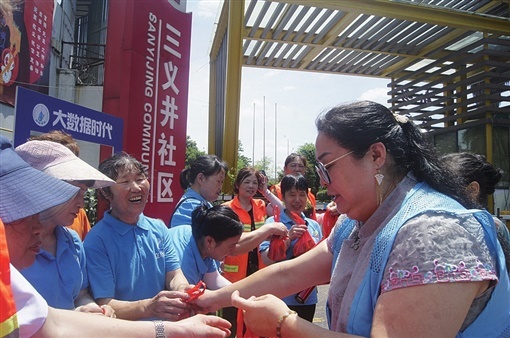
(42, 113)
(147, 85)
(38, 42)
(72, 122)
(161, 108)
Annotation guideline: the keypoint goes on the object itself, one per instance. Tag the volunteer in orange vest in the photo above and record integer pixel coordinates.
(9, 326)
(295, 164)
(252, 213)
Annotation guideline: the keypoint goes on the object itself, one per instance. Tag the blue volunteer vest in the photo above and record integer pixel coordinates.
(493, 321)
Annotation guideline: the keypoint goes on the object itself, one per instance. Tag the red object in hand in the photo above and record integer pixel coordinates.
(195, 291)
(305, 242)
(276, 214)
(277, 247)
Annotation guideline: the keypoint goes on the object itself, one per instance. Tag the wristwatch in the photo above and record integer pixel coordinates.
(160, 328)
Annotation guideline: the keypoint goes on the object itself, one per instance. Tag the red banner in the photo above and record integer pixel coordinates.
(146, 83)
(24, 48)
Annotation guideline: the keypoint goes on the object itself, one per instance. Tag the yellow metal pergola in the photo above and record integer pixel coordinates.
(403, 40)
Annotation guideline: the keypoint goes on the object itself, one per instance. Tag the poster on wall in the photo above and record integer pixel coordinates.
(25, 37)
(146, 83)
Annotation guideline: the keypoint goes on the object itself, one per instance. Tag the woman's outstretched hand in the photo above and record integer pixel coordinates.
(261, 314)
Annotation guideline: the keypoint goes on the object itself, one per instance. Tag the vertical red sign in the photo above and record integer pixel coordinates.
(146, 83)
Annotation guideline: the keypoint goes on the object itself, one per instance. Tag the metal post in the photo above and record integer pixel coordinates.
(275, 135)
(253, 143)
(264, 134)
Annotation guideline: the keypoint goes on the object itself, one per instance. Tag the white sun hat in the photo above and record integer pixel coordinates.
(58, 161)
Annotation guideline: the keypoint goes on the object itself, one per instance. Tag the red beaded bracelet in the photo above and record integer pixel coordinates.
(280, 322)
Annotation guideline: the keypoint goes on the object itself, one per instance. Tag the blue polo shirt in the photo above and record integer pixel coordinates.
(129, 262)
(188, 202)
(315, 231)
(59, 279)
(192, 264)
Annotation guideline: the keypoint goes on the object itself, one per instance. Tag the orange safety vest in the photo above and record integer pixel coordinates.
(9, 326)
(277, 190)
(81, 224)
(235, 267)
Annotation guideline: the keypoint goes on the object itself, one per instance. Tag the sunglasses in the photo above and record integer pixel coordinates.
(322, 169)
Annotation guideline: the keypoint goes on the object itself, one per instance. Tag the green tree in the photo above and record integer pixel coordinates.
(192, 151)
(242, 160)
(264, 164)
(308, 151)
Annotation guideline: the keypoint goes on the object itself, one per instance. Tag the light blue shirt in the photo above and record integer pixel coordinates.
(60, 279)
(315, 231)
(188, 202)
(129, 262)
(192, 264)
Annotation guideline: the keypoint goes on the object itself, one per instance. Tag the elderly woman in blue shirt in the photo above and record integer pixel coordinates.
(59, 273)
(131, 264)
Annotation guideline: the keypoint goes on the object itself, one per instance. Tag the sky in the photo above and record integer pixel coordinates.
(297, 97)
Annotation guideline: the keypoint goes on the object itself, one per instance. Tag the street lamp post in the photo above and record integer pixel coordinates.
(287, 144)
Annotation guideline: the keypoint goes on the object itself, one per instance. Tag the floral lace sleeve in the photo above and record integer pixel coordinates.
(436, 248)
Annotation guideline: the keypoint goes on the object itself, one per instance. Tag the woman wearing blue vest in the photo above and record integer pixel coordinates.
(405, 259)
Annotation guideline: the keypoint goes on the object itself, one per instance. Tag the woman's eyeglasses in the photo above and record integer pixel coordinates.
(322, 169)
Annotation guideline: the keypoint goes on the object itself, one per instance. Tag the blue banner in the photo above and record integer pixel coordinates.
(42, 113)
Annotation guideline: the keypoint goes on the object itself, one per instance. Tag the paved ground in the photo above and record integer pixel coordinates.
(320, 312)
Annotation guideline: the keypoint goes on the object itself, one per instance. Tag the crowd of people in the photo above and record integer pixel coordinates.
(406, 245)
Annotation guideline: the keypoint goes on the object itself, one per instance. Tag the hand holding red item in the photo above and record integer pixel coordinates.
(195, 292)
(277, 246)
(305, 242)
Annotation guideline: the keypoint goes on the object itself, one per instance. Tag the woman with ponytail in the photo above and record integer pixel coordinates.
(406, 258)
(202, 182)
(479, 179)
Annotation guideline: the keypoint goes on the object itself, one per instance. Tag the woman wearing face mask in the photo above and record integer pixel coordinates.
(202, 181)
(295, 164)
(59, 273)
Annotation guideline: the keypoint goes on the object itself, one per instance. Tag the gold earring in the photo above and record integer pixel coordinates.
(379, 178)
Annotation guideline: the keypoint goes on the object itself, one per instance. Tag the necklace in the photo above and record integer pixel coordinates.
(355, 244)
